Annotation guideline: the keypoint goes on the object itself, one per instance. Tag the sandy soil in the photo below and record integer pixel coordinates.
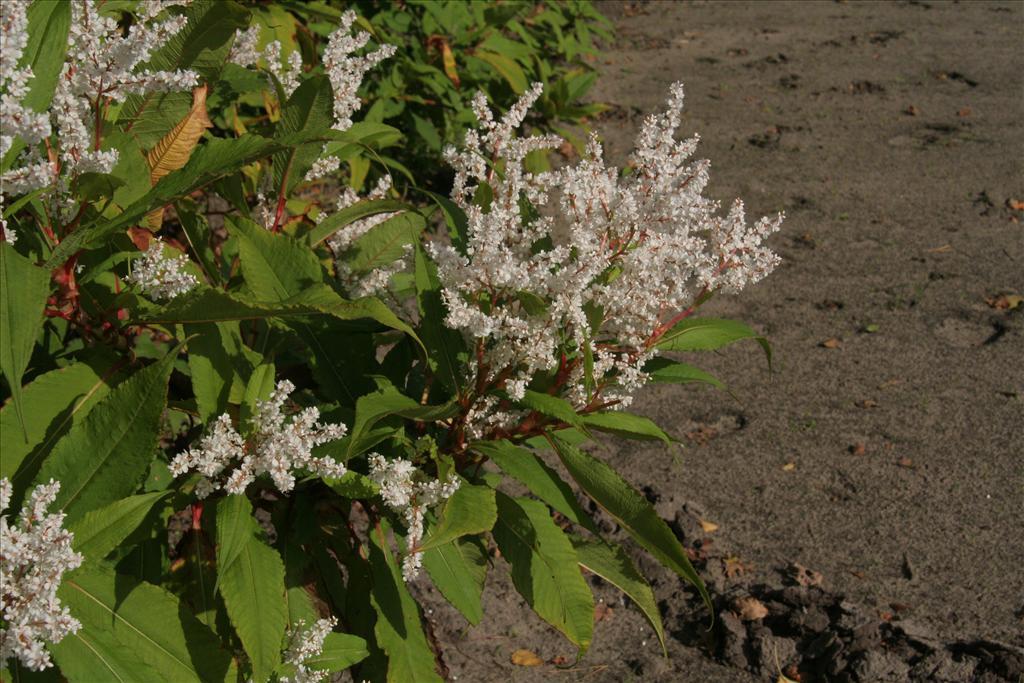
(889, 460)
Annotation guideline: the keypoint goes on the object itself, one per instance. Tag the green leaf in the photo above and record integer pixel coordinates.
(275, 266)
(666, 370)
(630, 509)
(543, 482)
(45, 50)
(470, 510)
(552, 406)
(202, 46)
(214, 159)
(611, 564)
(351, 214)
(205, 305)
(627, 424)
(353, 485)
(458, 569)
(445, 346)
(48, 24)
(219, 364)
(372, 408)
(119, 437)
(398, 630)
(507, 68)
(340, 651)
(259, 387)
(23, 292)
(709, 334)
(252, 585)
(544, 568)
(385, 243)
(310, 109)
(98, 532)
(54, 402)
(133, 631)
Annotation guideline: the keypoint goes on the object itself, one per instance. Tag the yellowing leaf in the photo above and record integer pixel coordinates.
(526, 658)
(707, 526)
(176, 147)
(449, 63)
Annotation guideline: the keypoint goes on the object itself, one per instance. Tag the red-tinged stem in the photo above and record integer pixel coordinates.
(279, 214)
(197, 515)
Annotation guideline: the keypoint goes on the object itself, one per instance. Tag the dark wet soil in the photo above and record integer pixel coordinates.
(868, 496)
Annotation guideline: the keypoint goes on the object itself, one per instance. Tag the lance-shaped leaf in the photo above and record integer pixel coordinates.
(202, 46)
(458, 569)
(212, 160)
(629, 508)
(470, 510)
(250, 578)
(133, 631)
(98, 532)
(611, 564)
(275, 266)
(23, 292)
(398, 629)
(374, 407)
(446, 349)
(543, 482)
(709, 334)
(351, 214)
(175, 148)
(544, 567)
(44, 53)
(385, 243)
(107, 455)
(220, 365)
(340, 651)
(204, 305)
(628, 425)
(552, 406)
(666, 370)
(308, 109)
(53, 403)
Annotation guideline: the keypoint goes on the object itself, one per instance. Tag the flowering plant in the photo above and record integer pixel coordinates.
(249, 412)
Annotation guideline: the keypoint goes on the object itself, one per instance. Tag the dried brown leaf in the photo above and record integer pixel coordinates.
(526, 658)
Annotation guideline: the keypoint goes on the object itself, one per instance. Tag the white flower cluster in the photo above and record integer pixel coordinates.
(276, 446)
(408, 492)
(161, 277)
(306, 644)
(102, 65)
(34, 554)
(377, 280)
(613, 263)
(15, 118)
(244, 52)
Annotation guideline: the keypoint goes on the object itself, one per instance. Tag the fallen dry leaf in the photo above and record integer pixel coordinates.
(831, 343)
(858, 574)
(857, 449)
(804, 576)
(734, 566)
(867, 403)
(602, 612)
(750, 608)
(707, 526)
(911, 111)
(1015, 204)
(944, 249)
(526, 658)
(905, 462)
(964, 113)
(789, 467)
(1005, 302)
(791, 675)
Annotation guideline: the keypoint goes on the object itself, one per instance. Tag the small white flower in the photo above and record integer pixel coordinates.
(307, 644)
(409, 493)
(34, 555)
(276, 445)
(159, 276)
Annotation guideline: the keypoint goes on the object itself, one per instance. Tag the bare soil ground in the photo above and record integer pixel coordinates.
(886, 453)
